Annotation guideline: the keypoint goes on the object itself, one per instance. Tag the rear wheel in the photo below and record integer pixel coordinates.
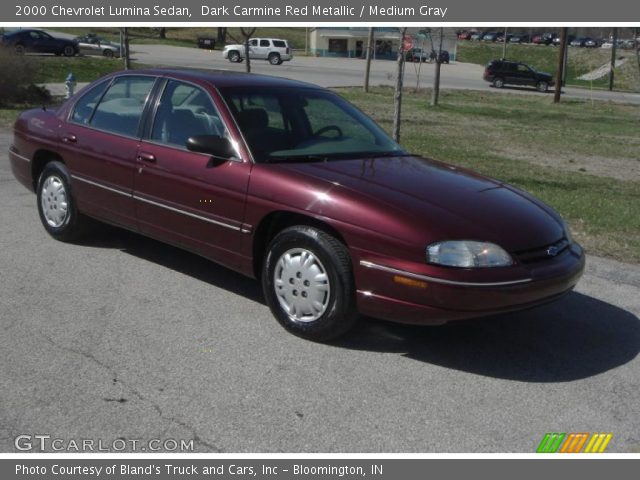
(68, 51)
(274, 59)
(56, 205)
(542, 86)
(19, 49)
(498, 82)
(108, 53)
(234, 56)
(308, 283)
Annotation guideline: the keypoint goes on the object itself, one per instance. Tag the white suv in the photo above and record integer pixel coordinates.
(273, 49)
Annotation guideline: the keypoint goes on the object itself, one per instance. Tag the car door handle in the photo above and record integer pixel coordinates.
(69, 138)
(146, 157)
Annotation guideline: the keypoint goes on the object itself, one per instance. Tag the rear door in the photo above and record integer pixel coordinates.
(185, 198)
(100, 142)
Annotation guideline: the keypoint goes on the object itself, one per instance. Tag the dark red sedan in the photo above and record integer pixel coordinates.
(288, 182)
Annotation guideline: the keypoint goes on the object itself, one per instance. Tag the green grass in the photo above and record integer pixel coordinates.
(545, 58)
(188, 36)
(55, 69)
(506, 136)
(8, 116)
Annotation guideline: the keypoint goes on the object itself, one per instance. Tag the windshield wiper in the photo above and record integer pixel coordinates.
(297, 158)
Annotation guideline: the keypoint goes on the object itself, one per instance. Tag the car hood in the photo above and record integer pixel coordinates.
(444, 201)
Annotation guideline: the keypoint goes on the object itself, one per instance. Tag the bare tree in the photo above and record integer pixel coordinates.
(367, 69)
(162, 32)
(221, 37)
(435, 94)
(613, 58)
(397, 98)
(246, 34)
(418, 67)
(636, 43)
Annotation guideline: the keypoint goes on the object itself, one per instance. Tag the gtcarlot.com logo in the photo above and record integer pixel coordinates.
(45, 443)
(574, 443)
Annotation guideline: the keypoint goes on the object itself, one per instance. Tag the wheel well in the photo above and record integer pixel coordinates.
(40, 159)
(274, 223)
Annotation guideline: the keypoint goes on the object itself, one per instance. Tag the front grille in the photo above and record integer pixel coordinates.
(542, 253)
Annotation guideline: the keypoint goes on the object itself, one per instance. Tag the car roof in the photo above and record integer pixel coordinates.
(221, 78)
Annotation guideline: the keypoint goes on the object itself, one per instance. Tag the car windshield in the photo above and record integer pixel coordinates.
(284, 124)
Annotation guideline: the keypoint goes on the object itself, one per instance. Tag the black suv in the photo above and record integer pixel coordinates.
(503, 72)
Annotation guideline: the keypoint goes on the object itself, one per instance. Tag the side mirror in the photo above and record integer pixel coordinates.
(213, 145)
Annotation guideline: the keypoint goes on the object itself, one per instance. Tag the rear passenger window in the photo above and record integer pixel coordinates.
(264, 43)
(121, 108)
(185, 111)
(279, 44)
(83, 109)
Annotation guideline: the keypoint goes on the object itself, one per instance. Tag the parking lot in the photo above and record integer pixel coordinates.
(121, 337)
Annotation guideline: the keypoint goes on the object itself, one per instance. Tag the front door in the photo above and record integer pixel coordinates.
(185, 198)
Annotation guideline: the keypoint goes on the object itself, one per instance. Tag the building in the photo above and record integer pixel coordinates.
(351, 42)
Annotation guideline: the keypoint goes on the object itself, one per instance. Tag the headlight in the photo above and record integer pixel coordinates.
(467, 254)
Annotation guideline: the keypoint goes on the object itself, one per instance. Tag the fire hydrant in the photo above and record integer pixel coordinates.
(70, 83)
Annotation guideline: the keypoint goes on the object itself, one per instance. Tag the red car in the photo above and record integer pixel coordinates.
(288, 182)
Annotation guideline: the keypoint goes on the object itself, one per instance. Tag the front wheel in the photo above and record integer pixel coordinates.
(20, 50)
(108, 53)
(68, 51)
(56, 205)
(542, 86)
(308, 283)
(234, 57)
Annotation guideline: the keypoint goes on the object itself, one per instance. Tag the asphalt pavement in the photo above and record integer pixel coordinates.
(122, 337)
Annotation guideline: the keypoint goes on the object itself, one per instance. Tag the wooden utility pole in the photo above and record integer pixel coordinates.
(397, 98)
(367, 68)
(613, 58)
(126, 52)
(561, 55)
(504, 44)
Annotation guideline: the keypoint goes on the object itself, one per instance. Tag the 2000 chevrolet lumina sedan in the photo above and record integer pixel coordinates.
(288, 182)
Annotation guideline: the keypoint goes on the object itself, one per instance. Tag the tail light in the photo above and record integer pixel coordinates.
(287, 50)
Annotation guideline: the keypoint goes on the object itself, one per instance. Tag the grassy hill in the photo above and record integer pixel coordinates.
(545, 58)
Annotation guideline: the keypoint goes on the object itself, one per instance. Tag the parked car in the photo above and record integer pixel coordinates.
(274, 50)
(592, 42)
(506, 72)
(442, 58)
(288, 182)
(501, 37)
(477, 36)
(465, 35)
(544, 38)
(556, 39)
(91, 44)
(490, 37)
(519, 38)
(585, 42)
(417, 55)
(37, 41)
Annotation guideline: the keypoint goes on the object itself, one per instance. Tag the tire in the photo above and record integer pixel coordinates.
(107, 53)
(542, 86)
(325, 277)
(498, 82)
(68, 51)
(234, 57)
(274, 59)
(56, 204)
(19, 49)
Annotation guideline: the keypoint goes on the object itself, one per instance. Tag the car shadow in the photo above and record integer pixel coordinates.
(524, 89)
(576, 337)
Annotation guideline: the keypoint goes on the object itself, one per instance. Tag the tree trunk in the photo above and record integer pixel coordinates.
(222, 36)
(126, 52)
(367, 69)
(397, 98)
(162, 33)
(561, 60)
(435, 94)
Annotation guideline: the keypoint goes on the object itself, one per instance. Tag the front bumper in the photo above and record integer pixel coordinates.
(436, 300)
